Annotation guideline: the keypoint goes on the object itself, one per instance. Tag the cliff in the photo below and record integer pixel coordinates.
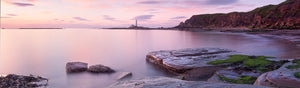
(282, 16)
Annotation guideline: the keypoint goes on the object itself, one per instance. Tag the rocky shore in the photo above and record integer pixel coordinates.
(220, 68)
(165, 82)
(20, 81)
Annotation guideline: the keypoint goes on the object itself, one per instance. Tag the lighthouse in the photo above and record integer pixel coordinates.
(136, 25)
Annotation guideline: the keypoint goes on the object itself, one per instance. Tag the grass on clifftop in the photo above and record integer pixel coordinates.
(259, 61)
(294, 66)
(242, 80)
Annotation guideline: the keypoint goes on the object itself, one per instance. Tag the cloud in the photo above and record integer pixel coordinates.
(226, 8)
(5, 17)
(80, 19)
(22, 4)
(31, 0)
(89, 4)
(178, 17)
(220, 2)
(106, 17)
(12, 15)
(206, 2)
(148, 2)
(58, 20)
(8, 16)
(150, 10)
(143, 17)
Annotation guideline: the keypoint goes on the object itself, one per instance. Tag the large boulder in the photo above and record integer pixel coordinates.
(76, 67)
(284, 77)
(165, 82)
(20, 81)
(100, 69)
(190, 62)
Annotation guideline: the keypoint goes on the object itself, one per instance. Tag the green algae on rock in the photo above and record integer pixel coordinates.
(232, 59)
(294, 66)
(242, 80)
(244, 69)
(251, 61)
(297, 74)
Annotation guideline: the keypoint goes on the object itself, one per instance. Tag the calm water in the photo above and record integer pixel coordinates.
(45, 52)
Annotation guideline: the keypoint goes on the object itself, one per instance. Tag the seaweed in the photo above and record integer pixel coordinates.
(242, 80)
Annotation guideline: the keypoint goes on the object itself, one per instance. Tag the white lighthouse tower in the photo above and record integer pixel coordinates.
(136, 24)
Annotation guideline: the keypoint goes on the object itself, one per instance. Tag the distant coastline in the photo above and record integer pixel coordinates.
(141, 28)
(40, 28)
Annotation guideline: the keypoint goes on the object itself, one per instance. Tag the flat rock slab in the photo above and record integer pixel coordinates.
(72, 67)
(165, 82)
(181, 61)
(100, 69)
(20, 81)
(281, 77)
(124, 75)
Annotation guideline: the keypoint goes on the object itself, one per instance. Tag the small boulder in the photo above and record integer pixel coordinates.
(100, 69)
(76, 67)
(124, 75)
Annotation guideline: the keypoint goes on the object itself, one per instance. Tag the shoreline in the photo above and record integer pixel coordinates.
(292, 36)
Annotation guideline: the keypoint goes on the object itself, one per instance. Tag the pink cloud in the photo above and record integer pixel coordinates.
(80, 19)
(89, 4)
(11, 14)
(143, 17)
(149, 2)
(106, 17)
(20, 3)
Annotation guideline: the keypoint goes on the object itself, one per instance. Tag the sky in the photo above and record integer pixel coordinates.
(114, 13)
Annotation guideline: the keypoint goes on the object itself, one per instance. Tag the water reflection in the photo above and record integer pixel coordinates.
(45, 52)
